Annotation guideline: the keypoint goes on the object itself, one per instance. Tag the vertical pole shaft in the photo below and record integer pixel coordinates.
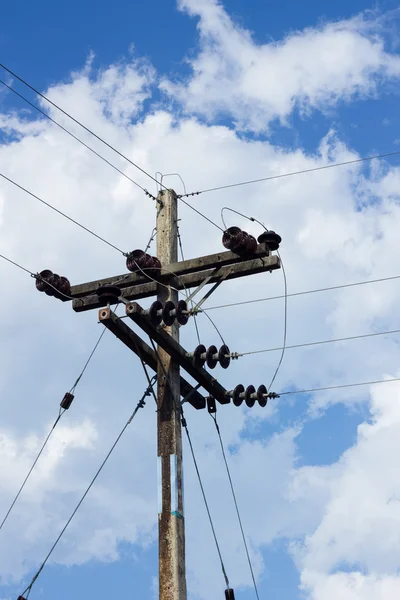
(171, 525)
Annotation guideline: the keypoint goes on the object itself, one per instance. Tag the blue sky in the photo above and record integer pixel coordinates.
(221, 93)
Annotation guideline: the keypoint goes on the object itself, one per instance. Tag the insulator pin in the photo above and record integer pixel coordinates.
(67, 401)
(52, 284)
(212, 356)
(239, 241)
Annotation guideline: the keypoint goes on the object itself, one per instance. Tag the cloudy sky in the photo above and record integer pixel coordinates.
(220, 93)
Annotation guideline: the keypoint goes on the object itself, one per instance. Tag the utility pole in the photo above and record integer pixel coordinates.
(163, 276)
(171, 525)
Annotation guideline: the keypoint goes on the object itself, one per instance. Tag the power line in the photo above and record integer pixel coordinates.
(343, 339)
(60, 414)
(42, 112)
(200, 213)
(214, 418)
(184, 425)
(140, 404)
(61, 213)
(270, 178)
(326, 289)
(337, 387)
(81, 125)
(17, 265)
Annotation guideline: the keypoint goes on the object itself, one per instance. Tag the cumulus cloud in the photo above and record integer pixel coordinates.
(253, 83)
(338, 226)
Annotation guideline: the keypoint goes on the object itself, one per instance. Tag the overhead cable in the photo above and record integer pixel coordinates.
(60, 414)
(337, 387)
(140, 404)
(325, 289)
(42, 112)
(184, 425)
(103, 141)
(61, 213)
(302, 171)
(214, 418)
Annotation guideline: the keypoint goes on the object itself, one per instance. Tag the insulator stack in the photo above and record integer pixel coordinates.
(250, 395)
(239, 241)
(168, 312)
(138, 261)
(67, 401)
(108, 293)
(271, 239)
(53, 285)
(229, 594)
(212, 356)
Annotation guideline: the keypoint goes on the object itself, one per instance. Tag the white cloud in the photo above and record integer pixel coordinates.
(255, 83)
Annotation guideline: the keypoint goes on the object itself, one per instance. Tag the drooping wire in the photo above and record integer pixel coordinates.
(42, 112)
(79, 123)
(61, 213)
(140, 404)
(184, 425)
(214, 418)
(60, 414)
(282, 175)
(186, 291)
(307, 344)
(153, 235)
(337, 387)
(17, 265)
(201, 214)
(325, 289)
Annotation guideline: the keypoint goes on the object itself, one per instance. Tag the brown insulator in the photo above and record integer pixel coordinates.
(249, 243)
(154, 266)
(249, 395)
(262, 395)
(108, 293)
(64, 286)
(271, 239)
(67, 401)
(232, 239)
(181, 313)
(199, 356)
(224, 356)
(155, 313)
(42, 279)
(52, 288)
(237, 395)
(136, 260)
(168, 313)
(212, 357)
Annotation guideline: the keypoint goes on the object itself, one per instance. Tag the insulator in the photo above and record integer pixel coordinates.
(168, 313)
(55, 282)
(155, 313)
(229, 594)
(67, 401)
(212, 407)
(136, 260)
(237, 395)
(64, 286)
(232, 239)
(182, 315)
(212, 357)
(43, 279)
(224, 357)
(108, 293)
(271, 239)
(249, 243)
(250, 396)
(155, 265)
(262, 396)
(21, 598)
(199, 356)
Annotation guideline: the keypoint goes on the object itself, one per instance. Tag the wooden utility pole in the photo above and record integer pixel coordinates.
(246, 258)
(171, 525)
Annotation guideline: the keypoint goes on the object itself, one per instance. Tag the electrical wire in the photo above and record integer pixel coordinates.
(344, 339)
(42, 112)
(61, 213)
(81, 125)
(187, 293)
(214, 418)
(201, 214)
(326, 289)
(17, 265)
(184, 425)
(140, 404)
(282, 175)
(337, 387)
(60, 414)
